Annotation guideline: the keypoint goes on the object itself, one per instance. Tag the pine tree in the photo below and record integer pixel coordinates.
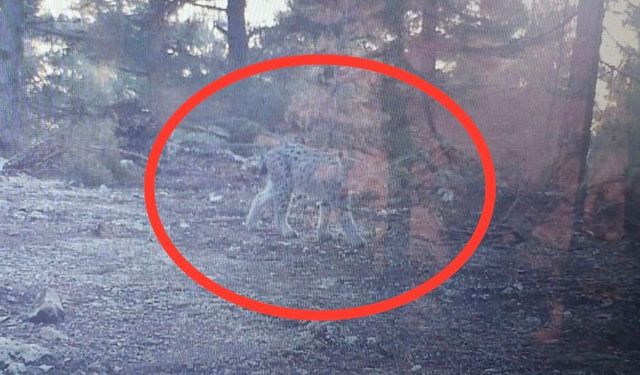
(12, 20)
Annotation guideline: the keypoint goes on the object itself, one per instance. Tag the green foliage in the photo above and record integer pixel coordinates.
(129, 62)
(261, 100)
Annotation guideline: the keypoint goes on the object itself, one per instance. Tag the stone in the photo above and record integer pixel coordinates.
(350, 340)
(5, 205)
(52, 334)
(507, 291)
(36, 215)
(48, 308)
(15, 355)
(533, 321)
(127, 164)
(215, 198)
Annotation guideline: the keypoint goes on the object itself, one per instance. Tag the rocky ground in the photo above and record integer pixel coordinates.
(127, 309)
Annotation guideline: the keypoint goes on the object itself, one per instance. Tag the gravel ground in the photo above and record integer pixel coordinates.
(130, 310)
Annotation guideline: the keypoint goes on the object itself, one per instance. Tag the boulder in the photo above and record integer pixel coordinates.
(16, 356)
(48, 308)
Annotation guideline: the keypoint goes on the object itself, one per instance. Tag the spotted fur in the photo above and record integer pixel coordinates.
(317, 174)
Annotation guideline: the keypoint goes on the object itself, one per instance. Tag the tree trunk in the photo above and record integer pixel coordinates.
(398, 144)
(12, 134)
(422, 54)
(157, 91)
(632, 193)
(570, 166)
(237, 33)
(632, 207)
(560, 227)
(424, 58)
(604, 211)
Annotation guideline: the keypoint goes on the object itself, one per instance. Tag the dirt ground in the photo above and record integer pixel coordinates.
(130, 310)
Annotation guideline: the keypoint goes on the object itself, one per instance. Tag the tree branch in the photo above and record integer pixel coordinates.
(133, 71)
(632, 5)
(518, 43)
(134, 155)
(205, 6)
(625, 49)
(221, 29)
(616, 69)
(58, 33)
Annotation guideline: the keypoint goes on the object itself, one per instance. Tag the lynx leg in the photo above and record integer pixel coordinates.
(323, 221)
(350, 229)
(347, 223)
(281, 206)
(260, 201)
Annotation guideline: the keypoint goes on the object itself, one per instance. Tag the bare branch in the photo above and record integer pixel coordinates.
(58, 33)
(633, 6)
(205, 6)
(519, 43)
(221, 29)
(616, 69)
(625, 49)
(133, 71)
(121, 151)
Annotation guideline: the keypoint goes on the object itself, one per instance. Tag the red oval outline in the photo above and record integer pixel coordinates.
(336, 314)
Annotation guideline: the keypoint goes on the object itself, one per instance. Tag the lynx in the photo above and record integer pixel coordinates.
(317, 174)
